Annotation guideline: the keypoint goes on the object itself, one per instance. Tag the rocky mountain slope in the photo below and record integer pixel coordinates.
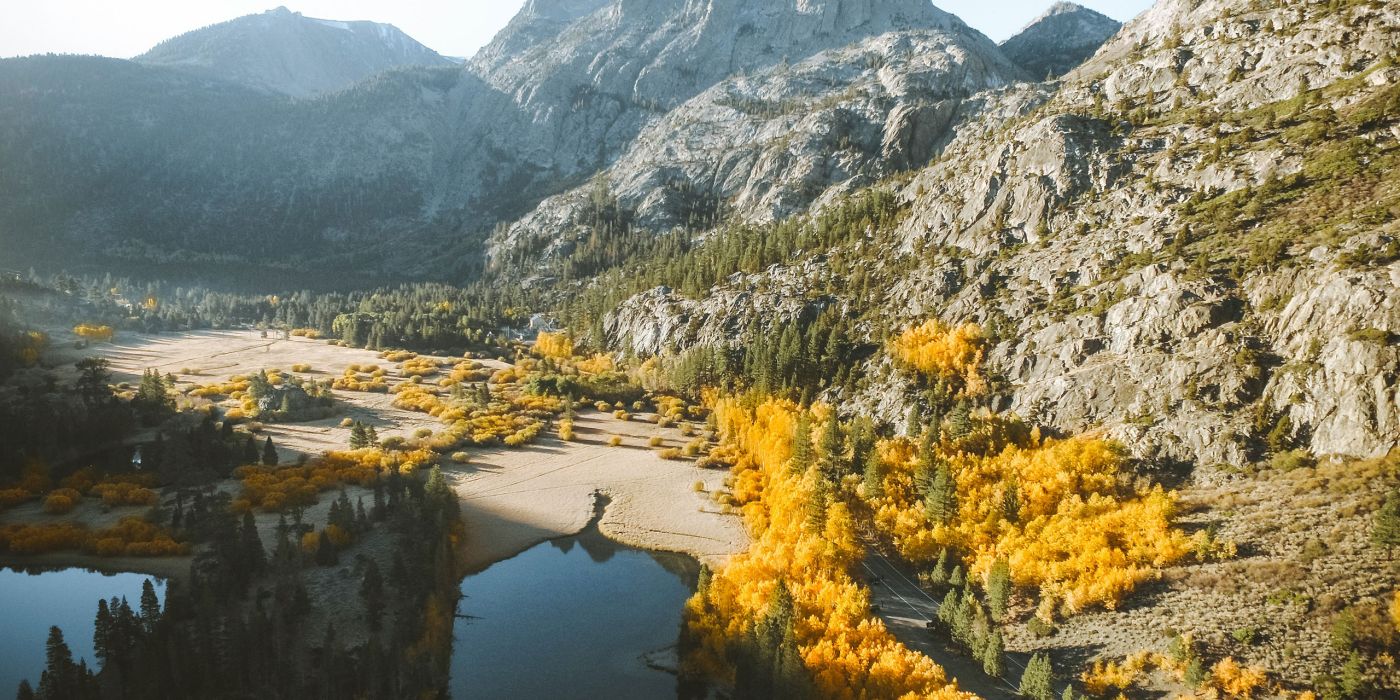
(1191, 245)
(765, 145)
(1130, 238)
(405, 173)
(284, 52)
(1059, 40)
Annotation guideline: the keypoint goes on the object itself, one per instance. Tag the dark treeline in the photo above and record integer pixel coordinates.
(694, 265)
(60, 429)
(414, 316)
(238, 628)
(791, 359)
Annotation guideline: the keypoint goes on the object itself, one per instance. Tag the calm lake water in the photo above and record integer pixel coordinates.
(66, 598)
(572, 618)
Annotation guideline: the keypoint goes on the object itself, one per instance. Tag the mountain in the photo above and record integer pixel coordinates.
(284, 52)
(592, 75)
(768, 142)
(1059, 40)
(407, 171)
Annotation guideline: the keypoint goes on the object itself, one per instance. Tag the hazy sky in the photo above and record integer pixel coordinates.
(125, 28)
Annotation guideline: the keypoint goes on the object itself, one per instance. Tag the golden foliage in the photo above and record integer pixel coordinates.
(61, 501)
(952, 355)
(125, 494)
(556, 345)
(132, 537)
(418, 367)
(94, 332)
(849, 652)
(1237, 681)
(308, 333)
(1074, 536)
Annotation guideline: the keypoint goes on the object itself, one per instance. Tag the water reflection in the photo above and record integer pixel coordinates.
(35, 599)
(575, 617)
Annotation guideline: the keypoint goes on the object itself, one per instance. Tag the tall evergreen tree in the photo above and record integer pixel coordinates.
(802, 443)
(250, 546)
(372, 592)
(269, 454)
(994, 655)
(941, 499)
(1038, 679)
(999, 587)
(833, 450)
(150, 606)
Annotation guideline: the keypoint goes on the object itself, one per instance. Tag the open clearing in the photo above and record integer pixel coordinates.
(511, 498)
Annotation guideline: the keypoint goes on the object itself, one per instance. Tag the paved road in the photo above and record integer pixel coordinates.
(906, 609)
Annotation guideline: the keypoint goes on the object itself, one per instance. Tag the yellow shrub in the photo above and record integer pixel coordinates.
(61, 502)
(1236, 681)
(670, 453)
(615, 441)
(953, 355)
(93, 332)
(556, 345)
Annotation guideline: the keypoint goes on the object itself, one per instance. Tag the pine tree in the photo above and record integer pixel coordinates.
(372, 591)
(60, 676)
(269, 454)
(102, 633)
(874, 476)
(1386, 531)
(960, 419)
(250, 547)
(358, 438)
(994, 655)
(939, 574)
(999, 587)
(1011, 501)
(941, 499)
(150, 606)
(956, 579)
(1038, 679)
(833, 450)
(250, 451)
(26, 691)
(802, 444)
(325, 551)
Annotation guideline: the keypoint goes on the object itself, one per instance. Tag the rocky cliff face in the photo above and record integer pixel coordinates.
(1059, 40)
(766, 145)
(283, 52)
(592, 75)
(1193, 260)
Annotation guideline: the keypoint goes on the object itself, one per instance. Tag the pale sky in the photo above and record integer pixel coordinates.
(126, 28)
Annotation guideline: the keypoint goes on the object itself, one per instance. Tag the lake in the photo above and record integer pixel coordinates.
(32, 602)
(575, 617)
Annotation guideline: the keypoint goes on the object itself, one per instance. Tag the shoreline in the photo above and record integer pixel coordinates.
(515, 499)
(164, 568)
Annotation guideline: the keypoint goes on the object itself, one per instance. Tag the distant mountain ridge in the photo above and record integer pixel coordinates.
(285, 52)
(406, 162)
(1059, 40)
